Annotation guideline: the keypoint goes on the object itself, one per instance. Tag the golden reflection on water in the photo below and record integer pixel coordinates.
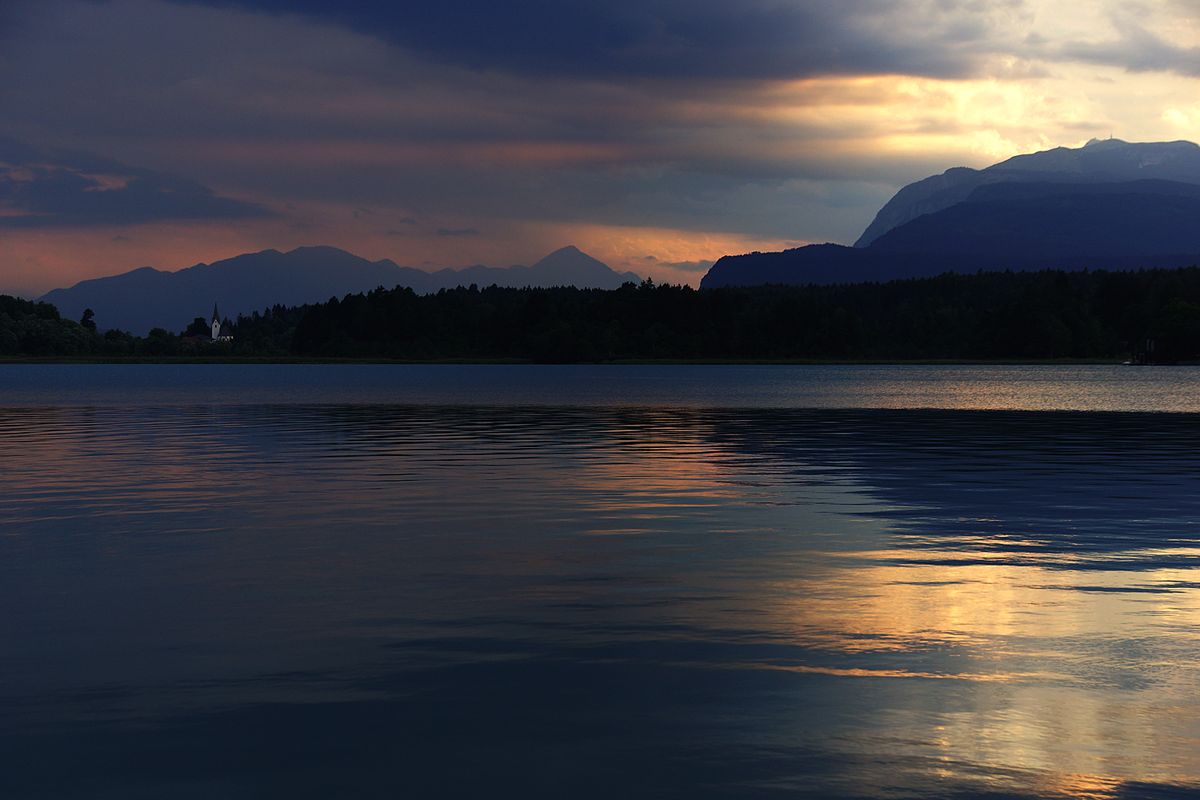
(1071, 671)
(1081, 713)
(1025, 667)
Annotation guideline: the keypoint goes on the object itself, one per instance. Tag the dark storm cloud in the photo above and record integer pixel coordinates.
(524, 118)
(46, 188)
(706, 39)
(760, 39)
(291, 108)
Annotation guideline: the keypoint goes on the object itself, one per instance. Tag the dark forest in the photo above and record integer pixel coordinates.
(1151, 315)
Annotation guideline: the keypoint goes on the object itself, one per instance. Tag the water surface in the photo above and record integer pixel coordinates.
(326, 581)
(999, 387)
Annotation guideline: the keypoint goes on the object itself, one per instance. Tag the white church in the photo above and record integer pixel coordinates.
(220, 333)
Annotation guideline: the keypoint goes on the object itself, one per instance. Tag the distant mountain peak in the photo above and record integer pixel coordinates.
(570, 266)
(315, 249)
(146, 298)
(568, 254)
(1110, 204)
(1100, 160)
(1094, 144)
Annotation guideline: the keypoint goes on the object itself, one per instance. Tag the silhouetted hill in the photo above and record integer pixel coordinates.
(1099, 161)
(1041, 224)
(568, 266)
(1035, 226)
(1061, 209)
(1044, 314)
(1147, 316)
(818, 264)
(148, 298)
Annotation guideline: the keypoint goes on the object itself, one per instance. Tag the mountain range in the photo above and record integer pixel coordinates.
(1109, 204)
(147, 298)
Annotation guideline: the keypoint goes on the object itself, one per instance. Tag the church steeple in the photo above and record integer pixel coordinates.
(216, 324)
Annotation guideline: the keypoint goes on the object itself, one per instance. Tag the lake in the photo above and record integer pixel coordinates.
(374, 581)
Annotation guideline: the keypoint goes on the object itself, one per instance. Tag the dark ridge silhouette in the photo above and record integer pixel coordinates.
(1109, 205)
(1142, 224)
(147, 298)
(1151, 315)
(1041, 224)
(1013, 315)
(567, 266)
(1099, 161)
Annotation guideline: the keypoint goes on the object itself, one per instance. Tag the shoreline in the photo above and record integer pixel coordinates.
(617, 362)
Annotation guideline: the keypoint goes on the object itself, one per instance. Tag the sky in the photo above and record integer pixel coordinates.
(657, 135)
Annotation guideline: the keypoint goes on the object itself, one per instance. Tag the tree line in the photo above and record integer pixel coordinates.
(1151, 315)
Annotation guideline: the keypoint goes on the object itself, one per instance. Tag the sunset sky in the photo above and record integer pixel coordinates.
(656, 135)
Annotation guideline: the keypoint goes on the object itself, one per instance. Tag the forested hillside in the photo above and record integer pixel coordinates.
(36, 329)
(1152, 314)
(1042, 315)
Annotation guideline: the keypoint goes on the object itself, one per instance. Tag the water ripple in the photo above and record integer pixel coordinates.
(729, 602)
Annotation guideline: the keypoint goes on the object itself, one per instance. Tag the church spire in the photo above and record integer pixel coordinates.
(216, 317)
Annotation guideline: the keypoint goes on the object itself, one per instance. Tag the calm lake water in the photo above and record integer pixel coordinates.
(599, 582)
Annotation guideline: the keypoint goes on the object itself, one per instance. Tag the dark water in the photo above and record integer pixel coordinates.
(223, 582)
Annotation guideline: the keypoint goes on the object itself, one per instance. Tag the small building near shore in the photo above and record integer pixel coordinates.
(220, 331)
